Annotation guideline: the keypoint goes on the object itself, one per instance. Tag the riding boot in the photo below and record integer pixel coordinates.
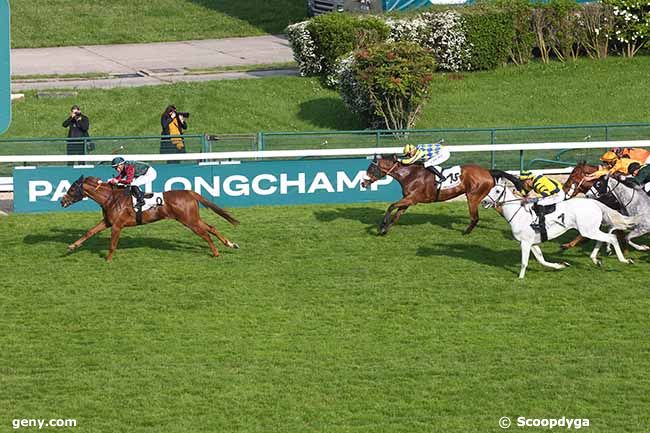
(436, 173)
(139, 196)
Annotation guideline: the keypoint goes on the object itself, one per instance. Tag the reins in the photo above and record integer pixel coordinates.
(382, 171)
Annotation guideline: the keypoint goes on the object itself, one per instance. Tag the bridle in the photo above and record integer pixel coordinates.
(382, 171)
(499, 203)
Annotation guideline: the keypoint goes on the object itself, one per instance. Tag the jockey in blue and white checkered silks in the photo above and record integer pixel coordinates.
(431, 155)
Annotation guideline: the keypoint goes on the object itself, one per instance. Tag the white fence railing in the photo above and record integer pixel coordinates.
(6, 183)
(265, 154)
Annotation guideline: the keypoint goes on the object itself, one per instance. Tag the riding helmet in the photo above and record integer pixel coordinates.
(409, 148)
(117, 161)
(609, 157)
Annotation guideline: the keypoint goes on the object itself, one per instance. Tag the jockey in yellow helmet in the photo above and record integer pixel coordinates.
(429, 154)
(550, 193)
(613, 165)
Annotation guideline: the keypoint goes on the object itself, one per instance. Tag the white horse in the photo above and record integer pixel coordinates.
(585, 215)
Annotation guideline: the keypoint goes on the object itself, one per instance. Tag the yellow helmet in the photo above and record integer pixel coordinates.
(609, 157)
(525, 175)
(408, 148)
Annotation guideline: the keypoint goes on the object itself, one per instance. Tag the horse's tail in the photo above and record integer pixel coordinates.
(615, 219)
(498, 174)
(216, 209)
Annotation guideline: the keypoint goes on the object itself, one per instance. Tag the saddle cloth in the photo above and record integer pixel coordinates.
(156, 200)
(452, 176)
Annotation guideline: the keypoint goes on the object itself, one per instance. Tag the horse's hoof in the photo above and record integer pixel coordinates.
(235, 246)
(566, 264)
(382, 231)
(565, 247)
(71, 248)
(630, 261)
(643, 248)
(597, 262)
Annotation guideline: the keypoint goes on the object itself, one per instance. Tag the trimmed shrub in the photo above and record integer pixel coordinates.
(393, 79)
(441, 32)
(523, 40)
(490, 33)
(304, 49)
(337, 34)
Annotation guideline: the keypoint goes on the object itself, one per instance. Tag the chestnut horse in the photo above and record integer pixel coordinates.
(118, 211)
(419, 186)
(576, 184)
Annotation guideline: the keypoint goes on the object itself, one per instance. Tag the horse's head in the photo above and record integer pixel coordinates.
(75, 193)
(576, 183)
(497, 195)
(378, 168)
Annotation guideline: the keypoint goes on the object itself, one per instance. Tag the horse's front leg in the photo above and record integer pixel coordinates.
(525, 254)
(90, 233)
(388, 221)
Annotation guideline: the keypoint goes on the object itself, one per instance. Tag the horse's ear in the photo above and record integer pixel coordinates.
(80, 180)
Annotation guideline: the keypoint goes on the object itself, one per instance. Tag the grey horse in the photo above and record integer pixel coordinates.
(636, 203)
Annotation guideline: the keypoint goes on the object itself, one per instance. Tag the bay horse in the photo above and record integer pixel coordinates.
(118, 212)
(419, 186)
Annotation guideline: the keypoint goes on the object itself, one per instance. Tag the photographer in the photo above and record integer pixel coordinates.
(78, 125)
(173, 123)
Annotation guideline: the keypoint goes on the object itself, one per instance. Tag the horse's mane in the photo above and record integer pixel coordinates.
(499, 174)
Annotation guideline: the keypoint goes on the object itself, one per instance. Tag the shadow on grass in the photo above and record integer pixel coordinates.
(268, 16)
(504, 259)
(99, 244)
(372, 217)
(330, 113)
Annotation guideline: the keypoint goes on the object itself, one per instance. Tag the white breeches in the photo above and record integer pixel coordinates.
(554, 199)
(147, 178)
(439, 158)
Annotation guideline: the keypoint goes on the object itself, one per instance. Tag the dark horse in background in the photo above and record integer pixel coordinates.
(118, 212)
(419, 186)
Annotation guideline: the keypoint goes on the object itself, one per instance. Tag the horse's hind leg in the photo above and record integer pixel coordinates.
(635, 234)
(115, 237)
(202, 231)
(573, 243)
(597, 235)
(222, 238)
(473, 201)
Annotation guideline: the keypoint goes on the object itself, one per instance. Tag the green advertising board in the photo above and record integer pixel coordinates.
(5, 67)
(254, 183)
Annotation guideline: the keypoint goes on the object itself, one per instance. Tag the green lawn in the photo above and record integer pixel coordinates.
(587, 92)
(317, 325)
(41, 23)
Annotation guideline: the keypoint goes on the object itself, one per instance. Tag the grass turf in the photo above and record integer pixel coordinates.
(584, 92)
(316, 324)
(43, 23)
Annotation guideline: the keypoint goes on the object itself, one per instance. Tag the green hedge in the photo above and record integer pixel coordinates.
(337, 34)
(490, 33)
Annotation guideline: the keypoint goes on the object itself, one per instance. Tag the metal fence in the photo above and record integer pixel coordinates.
(262, 141)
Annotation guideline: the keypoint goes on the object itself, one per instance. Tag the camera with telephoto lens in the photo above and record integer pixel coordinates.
(184, 114)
